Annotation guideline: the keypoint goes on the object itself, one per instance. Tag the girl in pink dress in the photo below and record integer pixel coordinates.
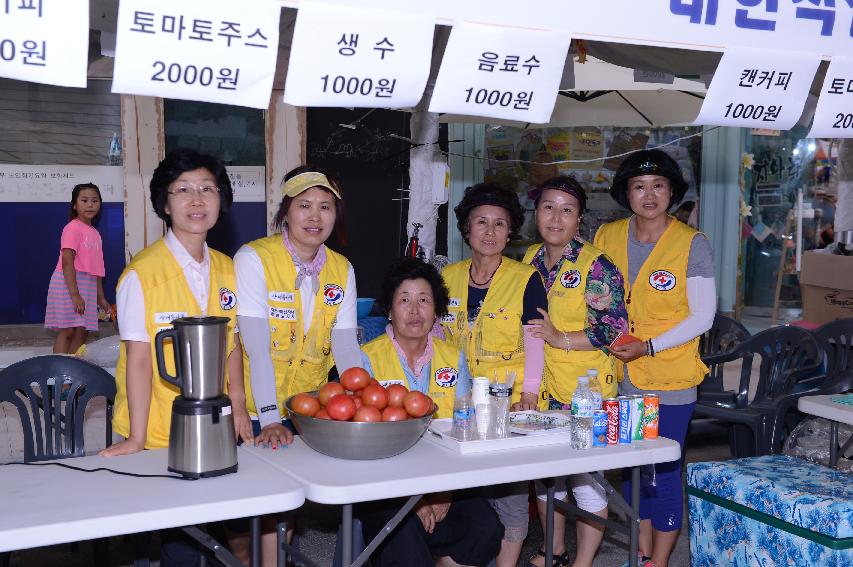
(76, 288)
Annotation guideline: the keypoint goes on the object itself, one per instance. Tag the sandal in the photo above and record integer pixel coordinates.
(561, 560)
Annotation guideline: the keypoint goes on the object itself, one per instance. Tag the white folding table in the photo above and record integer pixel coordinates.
(48, 504)
(428, 467)
(823, 406)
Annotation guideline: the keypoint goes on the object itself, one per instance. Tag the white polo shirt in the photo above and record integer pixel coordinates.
(130, 302)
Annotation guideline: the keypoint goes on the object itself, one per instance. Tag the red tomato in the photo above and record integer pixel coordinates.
(355, 378)
(417, 404)
(322, 414)
(396, 393)
(328, 390)
(341, 407)
(392, 413)
(305, 404)
(375, 396)
(367, 413)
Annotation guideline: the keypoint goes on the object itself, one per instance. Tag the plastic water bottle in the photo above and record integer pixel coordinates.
(595, 388)
(500, 394)
(582, 407)
(464, 421)
(114, 155)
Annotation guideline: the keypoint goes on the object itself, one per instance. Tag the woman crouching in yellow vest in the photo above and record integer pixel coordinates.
(586, 312)
(177, 276)
(460, 525)
(297, 302)
(492, 301)
(671, 299)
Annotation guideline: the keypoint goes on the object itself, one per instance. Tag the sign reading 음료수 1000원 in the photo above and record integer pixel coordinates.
(204, 50)
(506, 73)
(343, 56)
(45, 41)
(756, 88)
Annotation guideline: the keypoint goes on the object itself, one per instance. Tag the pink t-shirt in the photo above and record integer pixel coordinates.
(85, 240)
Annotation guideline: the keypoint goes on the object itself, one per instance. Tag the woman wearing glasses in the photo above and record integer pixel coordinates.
(297, 301)
(671, 298)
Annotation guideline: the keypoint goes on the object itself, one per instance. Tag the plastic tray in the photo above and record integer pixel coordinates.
(439, 433)
(533, 422)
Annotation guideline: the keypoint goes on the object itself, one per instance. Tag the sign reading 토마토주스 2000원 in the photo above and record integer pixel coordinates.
(757, 88)
(204, 50)
(833, 117)
(507, 73)
(45, 41)
(345, 56)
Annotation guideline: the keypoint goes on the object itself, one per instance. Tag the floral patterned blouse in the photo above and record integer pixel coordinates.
(606, 316)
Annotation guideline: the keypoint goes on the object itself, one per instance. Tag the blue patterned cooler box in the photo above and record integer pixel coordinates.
(769, 511)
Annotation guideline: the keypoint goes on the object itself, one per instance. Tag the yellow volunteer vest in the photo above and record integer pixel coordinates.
(301, 361)
(656, 303)
(494, 344)
(443, 371)
(567, 309)
(167, 296)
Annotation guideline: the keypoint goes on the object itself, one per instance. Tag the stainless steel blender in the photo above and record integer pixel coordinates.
(201, 438)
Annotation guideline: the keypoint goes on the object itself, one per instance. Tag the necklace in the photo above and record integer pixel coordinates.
(471, 275)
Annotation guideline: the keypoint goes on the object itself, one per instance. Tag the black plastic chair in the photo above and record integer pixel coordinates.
(50, 394)
(836, 342)
(723, 336)
(789, 357)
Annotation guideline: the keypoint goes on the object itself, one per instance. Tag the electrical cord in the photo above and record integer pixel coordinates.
(72, 467)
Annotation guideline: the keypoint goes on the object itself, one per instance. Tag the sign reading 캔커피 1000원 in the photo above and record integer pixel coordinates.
(45, 41)
(204, 50)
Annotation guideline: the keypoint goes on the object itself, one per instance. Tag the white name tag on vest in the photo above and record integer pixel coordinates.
(166, 317)
(282, 296)
(286, 314)
(386, 383)
(448, 318)
(454, 302)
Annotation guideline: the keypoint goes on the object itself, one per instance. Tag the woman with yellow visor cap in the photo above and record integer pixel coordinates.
(297, 301)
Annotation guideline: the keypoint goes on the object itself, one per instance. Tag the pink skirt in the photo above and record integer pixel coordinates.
(60, 312)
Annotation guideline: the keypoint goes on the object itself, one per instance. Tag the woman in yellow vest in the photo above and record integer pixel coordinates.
(671, 299)
(492, 301)
(413, 294)
(177, 276)
(297, 302)
(459, 526)
(586, 312)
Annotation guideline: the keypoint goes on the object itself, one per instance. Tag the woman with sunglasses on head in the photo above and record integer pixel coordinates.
(671, 299)
(586, 312)
(493, 299)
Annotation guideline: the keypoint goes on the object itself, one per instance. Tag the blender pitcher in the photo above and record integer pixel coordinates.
(199, 345)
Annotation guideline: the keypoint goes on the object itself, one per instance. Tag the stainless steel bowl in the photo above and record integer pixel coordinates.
(356, 440)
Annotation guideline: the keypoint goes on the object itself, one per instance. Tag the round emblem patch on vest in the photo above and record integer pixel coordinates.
(333, 294)
(662, 280)
(227, 299)
(570, 279)
(446, 377)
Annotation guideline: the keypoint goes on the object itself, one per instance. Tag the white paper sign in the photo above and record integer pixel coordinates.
(45, 41)
(204, 50)
(833, 117)
(53, 183)
(356, 57)
(759, 88)
(507, 73)
(248, 183)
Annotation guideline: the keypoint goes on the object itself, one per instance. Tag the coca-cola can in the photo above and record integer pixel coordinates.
(651, 416)
(625, 411)
(611, 407)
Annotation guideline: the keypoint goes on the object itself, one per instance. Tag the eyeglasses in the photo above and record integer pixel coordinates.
(188, 191)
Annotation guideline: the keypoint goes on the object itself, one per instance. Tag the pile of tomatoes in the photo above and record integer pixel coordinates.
(358, 397)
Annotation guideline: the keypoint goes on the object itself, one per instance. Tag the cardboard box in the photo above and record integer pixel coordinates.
(826, 282)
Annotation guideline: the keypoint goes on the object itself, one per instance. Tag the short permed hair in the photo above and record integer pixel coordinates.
(489, 194)
(179, 162)
(409, 268)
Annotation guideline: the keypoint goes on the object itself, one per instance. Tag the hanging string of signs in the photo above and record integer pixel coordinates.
(377, 53)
